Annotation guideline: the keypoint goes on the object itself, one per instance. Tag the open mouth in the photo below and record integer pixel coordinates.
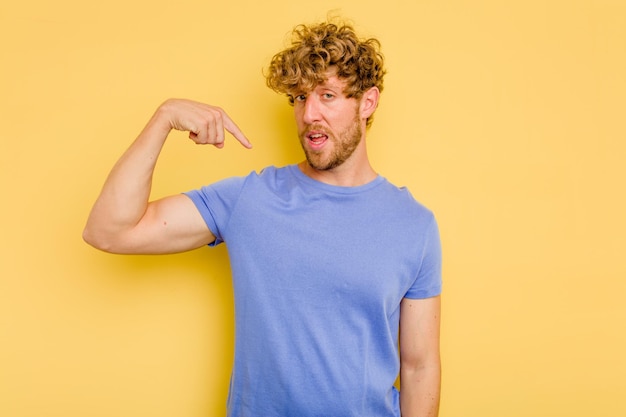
(317, 139)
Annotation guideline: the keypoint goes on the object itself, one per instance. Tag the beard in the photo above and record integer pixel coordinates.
(344, 143)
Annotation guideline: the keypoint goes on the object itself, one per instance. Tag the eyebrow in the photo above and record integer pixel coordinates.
(333, 85)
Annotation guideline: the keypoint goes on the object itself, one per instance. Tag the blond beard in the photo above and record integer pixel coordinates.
(345, 146)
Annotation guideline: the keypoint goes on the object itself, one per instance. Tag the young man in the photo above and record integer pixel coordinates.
(332, 265)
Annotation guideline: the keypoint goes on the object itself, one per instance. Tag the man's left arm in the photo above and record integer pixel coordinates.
(420, 361)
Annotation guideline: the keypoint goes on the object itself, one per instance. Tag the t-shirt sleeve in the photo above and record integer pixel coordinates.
(429, 281)
(216, 202)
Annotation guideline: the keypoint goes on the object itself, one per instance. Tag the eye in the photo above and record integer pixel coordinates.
(328, 96)
(293, 98)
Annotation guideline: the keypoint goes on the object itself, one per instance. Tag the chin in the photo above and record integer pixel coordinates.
(323, 165)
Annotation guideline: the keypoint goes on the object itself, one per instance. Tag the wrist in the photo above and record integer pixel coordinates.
(161, 120)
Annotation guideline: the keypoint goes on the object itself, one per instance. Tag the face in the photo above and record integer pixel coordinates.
(329, 125)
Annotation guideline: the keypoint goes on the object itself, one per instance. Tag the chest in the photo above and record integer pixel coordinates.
(324, 250)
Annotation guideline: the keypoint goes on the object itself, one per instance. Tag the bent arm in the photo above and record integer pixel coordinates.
(123, 220)
(420, 362)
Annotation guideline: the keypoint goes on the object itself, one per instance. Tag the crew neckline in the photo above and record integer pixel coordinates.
(301, 176)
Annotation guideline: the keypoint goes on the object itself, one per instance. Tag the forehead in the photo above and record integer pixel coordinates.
(330, 81)
(333, 82)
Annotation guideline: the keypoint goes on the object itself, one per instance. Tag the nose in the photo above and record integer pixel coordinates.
(312, 112)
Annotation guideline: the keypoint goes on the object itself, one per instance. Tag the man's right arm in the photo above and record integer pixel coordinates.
(123, 220)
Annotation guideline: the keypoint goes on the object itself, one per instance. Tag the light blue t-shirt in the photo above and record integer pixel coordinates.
(318, 273)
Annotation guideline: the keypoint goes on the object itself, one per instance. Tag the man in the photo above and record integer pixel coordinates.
(332, 265)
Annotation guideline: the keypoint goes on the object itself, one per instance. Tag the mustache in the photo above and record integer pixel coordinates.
(314, 128)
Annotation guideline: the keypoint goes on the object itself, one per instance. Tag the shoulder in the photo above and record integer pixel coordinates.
(269, 175)
(401, 201)
(264, 183)
(274, 179)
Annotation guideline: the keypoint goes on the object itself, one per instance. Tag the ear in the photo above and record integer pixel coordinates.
(369, 102)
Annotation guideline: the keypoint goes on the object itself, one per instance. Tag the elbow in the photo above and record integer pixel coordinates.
(424, 363)
(99, 240)
(433, 365)
(93, 240)
(115, 241)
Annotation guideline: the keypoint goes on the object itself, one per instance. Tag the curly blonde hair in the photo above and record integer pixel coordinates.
(318, 48)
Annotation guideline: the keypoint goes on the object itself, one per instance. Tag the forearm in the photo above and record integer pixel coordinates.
(420, 389)
(126, 191)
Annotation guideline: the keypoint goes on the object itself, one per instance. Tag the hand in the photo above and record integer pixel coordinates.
(205, 123)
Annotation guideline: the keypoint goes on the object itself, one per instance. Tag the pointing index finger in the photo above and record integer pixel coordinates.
(234, 130)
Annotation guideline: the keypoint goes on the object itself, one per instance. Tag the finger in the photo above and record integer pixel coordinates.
(218, 126)
(236, 132)
(195, 134)
(200, 136)
(212, 127)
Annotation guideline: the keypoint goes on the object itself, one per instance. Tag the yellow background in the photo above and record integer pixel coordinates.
(504, 117)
